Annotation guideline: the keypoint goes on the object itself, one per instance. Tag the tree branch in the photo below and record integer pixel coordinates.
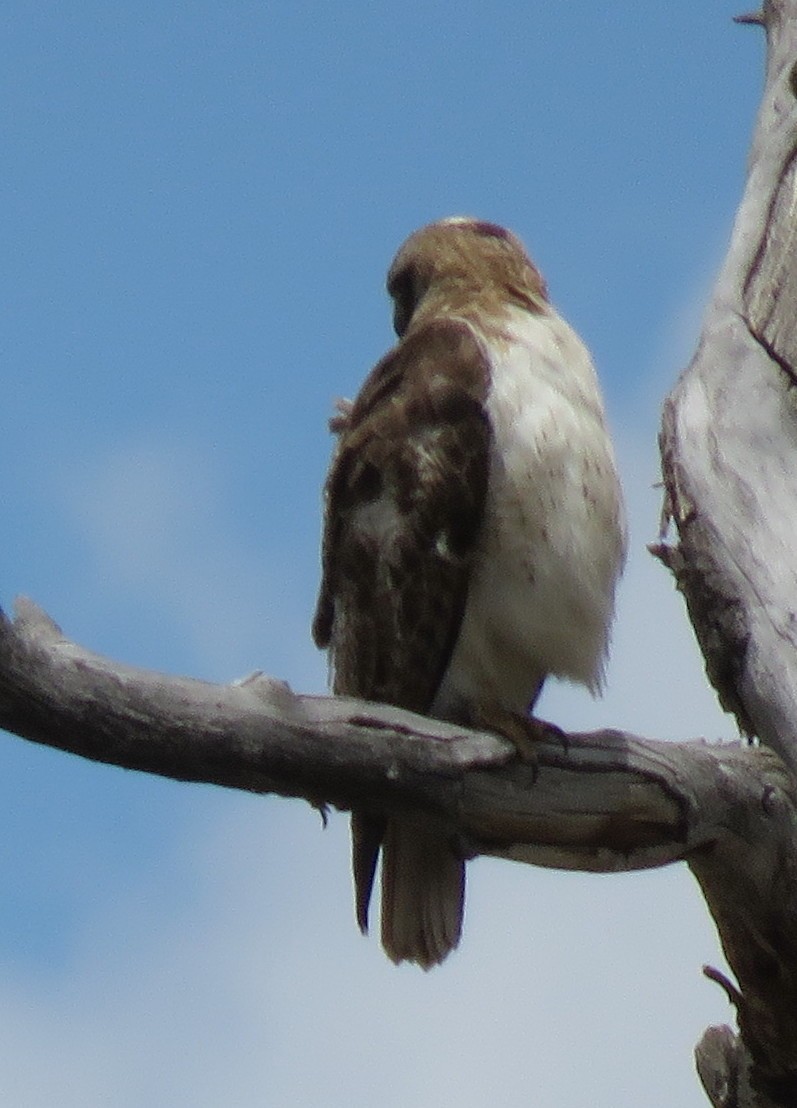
(606, 794)
(603, 801)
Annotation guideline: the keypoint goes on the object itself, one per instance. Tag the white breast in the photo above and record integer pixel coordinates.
(541, 596)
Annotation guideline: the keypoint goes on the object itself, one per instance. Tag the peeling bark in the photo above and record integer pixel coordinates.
(729, 460)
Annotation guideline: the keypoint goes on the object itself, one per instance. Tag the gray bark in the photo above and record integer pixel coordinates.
(730, 468)
(605, 801)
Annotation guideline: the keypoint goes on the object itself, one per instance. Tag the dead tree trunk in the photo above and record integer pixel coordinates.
(605, 801)
(729, 458)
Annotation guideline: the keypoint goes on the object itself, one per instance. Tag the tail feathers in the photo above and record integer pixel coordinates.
(423, 891)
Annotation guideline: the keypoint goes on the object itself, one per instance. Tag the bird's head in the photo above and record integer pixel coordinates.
(457, 262)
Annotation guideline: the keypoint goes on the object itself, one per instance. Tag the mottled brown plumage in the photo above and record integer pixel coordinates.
(406, 501)
(408, 488)
(473, 534)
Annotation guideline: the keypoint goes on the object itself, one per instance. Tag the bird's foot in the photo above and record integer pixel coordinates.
(520, 730)
(549, 732)
(524, 732)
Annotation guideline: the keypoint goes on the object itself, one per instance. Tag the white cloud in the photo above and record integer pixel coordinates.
(259, 991)
(160, 523)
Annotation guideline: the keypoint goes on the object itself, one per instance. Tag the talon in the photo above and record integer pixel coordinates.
(523, 732)
(549, 731)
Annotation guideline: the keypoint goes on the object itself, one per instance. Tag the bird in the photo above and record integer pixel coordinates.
(474, 534)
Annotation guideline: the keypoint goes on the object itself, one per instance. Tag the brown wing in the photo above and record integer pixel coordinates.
(404, 506)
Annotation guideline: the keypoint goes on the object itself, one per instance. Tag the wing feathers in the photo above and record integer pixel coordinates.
(405, 500)
(404, 507)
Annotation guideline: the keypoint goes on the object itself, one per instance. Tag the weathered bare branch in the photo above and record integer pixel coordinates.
(603, 801)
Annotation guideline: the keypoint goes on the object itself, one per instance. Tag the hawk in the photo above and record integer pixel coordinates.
(474, 534)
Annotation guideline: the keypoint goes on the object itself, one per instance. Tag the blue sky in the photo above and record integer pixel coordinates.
(199, 205)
